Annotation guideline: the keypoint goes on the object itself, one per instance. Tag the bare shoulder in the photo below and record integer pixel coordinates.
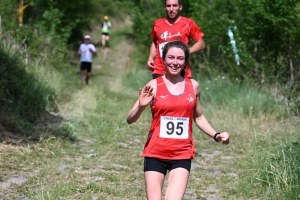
(195, 83)
(196, 86)
(153, 84)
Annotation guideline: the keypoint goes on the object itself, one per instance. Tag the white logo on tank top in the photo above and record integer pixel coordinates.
(164, 96)
(189, 98)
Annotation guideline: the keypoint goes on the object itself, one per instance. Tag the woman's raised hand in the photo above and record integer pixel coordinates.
(146, 95)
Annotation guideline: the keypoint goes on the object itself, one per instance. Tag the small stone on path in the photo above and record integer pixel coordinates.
(119, 166)
(213, 197)
(122, 144)
(5, 185)
(227, 157)
(189, 196)
(16, 179)
(63, 168)
(214, 172)
(137, 140)
(89, 155)
(194, 166)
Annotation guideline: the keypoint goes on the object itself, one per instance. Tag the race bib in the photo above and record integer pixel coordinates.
(161, 47)
(174, 127)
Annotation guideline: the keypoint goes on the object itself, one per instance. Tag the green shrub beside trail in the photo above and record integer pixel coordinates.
(23, 98)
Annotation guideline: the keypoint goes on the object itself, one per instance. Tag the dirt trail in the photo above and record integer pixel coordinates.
(108, 59)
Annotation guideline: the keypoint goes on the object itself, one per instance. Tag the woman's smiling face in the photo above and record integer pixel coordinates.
(174, 60)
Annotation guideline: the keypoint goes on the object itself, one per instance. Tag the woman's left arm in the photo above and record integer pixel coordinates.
(201, 120)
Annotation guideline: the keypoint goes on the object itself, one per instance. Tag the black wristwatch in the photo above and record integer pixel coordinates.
(215, 137)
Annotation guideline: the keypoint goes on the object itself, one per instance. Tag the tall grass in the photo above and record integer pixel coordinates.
(23, 96)
(240, 97)
(280, 171)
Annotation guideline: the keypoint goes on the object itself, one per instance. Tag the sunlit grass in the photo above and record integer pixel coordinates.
(241, 97)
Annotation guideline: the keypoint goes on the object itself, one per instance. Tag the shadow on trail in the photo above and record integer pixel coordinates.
(24, 101)
(129, 37)
(98, 74)
(98, 44)
(53, 125)
(46, 126)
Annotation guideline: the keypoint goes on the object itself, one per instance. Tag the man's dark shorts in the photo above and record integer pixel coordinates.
(154, 76)
(86, 66)
(162, 166)
(107, 34)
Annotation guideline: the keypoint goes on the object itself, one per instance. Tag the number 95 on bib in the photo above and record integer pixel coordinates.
(174, 127)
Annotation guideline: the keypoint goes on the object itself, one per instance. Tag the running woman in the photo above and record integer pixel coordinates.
(105, 31)
(174, 102)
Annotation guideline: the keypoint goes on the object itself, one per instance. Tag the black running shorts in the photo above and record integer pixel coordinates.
(86, 66)
(154, 76)
(162, 166)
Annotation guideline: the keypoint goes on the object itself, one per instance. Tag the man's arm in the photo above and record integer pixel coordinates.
(93, 49)
(198, 46)
(79, 50)
(151, 57)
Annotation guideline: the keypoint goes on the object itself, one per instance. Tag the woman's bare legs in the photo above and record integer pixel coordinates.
(105, 39)
(177, 182)
(154, 183)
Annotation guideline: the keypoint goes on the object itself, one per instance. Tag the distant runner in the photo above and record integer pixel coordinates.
(105, 31)
(175, 103)
(86, 51)
(173, 27)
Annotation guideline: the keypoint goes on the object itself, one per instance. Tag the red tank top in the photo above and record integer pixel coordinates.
(170, 134)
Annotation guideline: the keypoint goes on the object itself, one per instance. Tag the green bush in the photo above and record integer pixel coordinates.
(23, 98)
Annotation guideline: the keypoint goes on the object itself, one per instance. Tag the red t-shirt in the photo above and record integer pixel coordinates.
(170, 134)
(184, 30)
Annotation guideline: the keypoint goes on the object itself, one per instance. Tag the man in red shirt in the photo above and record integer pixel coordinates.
(173, 27)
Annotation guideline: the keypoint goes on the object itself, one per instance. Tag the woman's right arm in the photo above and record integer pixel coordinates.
(79, 50)
(145, 97)
(135, 113)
